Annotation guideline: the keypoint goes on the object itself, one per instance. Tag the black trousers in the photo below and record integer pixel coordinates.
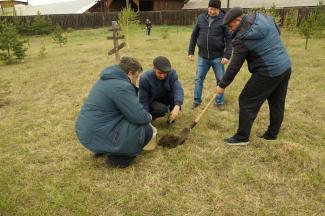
(160, 107)
(257, 90)
(123, 161)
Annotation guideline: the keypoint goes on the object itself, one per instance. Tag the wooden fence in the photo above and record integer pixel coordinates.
(95, 20)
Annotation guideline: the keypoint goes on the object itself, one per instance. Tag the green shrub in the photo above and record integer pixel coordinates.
(272, 11)
(165, 33)
(128, 22)
(58, 36)
(307, 27)
(290, 20)
(69, 30)
(41, 25)
(320, 13)
(314, 24)
(12, 47)
(42, 52)
(290, 23)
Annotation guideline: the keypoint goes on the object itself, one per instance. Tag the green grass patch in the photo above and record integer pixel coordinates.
(45, 171)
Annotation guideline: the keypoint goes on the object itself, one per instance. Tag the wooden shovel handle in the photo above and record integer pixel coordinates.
(205, 109)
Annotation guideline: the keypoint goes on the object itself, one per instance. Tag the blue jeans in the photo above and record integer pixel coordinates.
(202, 70)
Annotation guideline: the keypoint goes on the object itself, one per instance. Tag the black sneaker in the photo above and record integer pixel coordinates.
(267, 136)
(195, 105)
(97, 155)
(119, 161)
(235, 142)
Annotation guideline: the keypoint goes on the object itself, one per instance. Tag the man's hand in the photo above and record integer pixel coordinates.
(174, 113)
(191, 57)
(224, 61)
(219, 91)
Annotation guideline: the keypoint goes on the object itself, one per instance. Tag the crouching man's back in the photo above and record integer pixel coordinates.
(112, 122)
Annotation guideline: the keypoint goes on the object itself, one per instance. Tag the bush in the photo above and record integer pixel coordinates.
(272, 11)
(41, 25)
(128, 21)
(308, 27)
(290, 20)
(290, 23)
(12, 47)
(58, 36)
(320, 23)
(165, 33)
(42, 52)
(69, 30)
(314, 24)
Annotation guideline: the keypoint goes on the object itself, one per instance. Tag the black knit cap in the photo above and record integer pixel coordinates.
(215, 4)
(232, 14)
(162, 63)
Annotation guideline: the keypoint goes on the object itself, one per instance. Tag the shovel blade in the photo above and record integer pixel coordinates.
(184, 134)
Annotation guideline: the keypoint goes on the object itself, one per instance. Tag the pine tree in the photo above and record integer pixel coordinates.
(290, 23)
(128, 21)
(308, 27)
(11, 45)
(41, 25)
(58, 36)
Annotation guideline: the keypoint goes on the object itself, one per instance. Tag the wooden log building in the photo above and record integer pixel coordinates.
(7, 7)
(12, 3)
(138, 5)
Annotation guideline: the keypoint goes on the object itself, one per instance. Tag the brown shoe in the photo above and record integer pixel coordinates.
(221, 107)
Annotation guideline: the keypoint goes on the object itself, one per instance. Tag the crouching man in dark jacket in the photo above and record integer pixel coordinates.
(112, 121)
(256, 38)
(160, 90)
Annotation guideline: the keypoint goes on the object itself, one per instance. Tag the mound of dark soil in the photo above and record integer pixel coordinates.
(169, 141)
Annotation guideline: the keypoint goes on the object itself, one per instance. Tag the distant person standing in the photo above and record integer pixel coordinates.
(214, 42)
(148, 26)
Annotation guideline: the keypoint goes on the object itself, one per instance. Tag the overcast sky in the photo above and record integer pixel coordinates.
(37, 2)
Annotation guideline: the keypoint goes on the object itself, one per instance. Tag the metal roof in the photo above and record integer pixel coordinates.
(200, 4)
(68, 7)
(25, 1)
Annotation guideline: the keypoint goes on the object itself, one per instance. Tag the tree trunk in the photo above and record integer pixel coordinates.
(306, 45)
(9, 55)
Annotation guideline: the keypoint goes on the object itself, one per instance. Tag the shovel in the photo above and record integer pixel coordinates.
(173, 141)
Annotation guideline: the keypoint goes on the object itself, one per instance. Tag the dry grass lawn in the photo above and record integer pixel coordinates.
(45, 171)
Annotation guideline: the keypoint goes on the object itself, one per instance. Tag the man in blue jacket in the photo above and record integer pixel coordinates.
(160, 90)
(112, 122)
(256, 39)
(214, 42)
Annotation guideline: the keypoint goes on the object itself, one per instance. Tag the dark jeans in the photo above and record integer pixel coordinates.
(123, 161)
(160, 107)
(257, 90)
